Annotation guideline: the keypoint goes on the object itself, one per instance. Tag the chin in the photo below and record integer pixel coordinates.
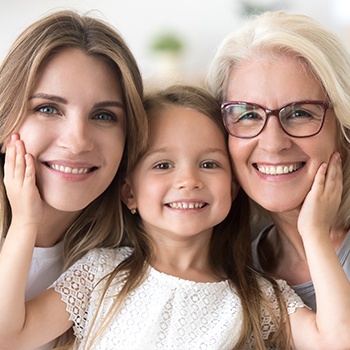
(280, 208)
(67, 204)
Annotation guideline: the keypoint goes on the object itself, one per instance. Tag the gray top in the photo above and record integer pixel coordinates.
(305, 290)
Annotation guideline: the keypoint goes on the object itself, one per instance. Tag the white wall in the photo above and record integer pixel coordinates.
(202, 23)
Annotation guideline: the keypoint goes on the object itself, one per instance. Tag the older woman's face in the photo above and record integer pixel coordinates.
(272, 84)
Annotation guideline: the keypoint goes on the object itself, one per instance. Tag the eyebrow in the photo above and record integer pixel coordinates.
(110, 104)
(64, 101)
(49, 97)
(166, 149)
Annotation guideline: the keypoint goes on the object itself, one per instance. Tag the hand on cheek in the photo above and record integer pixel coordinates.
(19, 180)
(322, 202)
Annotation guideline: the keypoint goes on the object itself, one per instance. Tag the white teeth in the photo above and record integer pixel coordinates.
(279, 169)
(69, 170)
(185, 205)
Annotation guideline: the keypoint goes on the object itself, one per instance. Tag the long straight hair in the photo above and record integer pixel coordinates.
(230, 250)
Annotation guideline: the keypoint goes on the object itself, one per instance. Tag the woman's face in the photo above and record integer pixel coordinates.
(75, 129)
(272, 84)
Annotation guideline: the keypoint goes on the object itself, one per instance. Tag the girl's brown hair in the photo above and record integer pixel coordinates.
(230, 249)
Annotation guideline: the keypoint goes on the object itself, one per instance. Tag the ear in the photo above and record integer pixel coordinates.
(234, 188)
(128, 197)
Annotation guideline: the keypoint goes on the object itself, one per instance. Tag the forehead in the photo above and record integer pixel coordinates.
(73, 73)
(273, 81)
(183, 125)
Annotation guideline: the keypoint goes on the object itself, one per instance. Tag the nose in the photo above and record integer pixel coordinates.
(188, 179)
(76, 136)
(273, 138)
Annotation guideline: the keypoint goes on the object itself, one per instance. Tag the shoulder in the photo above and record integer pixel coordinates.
(105, 257)
(292, 299)
(95, 264)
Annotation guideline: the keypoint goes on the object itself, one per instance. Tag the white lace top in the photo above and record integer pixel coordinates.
(165, 312)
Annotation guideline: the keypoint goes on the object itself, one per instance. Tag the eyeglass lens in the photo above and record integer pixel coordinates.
(300, 120)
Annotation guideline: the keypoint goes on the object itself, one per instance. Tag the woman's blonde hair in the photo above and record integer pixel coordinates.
(319, 50)
(230, 252)
(100, 223)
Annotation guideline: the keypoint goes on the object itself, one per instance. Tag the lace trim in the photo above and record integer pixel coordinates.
(80, 290)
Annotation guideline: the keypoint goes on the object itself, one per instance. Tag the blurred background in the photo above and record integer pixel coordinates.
(171, 40)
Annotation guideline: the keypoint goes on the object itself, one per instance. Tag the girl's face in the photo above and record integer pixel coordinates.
(272, 84)
(74, 128)
(182, 186)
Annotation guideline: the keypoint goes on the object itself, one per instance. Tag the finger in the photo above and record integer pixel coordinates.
(334, 176)
(20, 163)
(30, 168)
(10, 159)
(320, 177)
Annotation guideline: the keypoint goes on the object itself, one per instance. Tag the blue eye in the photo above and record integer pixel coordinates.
(47, 109)
(104, 116)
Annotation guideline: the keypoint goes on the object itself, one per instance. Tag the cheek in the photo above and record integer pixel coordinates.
(239, 154)
(148, 193)
(115, 150)
(33, 137)
(322, 146)
(111, 144)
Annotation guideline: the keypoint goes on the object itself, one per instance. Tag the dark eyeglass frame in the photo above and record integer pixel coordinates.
(275, 112)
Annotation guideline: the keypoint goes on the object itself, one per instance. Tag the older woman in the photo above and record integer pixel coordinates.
(284, 84)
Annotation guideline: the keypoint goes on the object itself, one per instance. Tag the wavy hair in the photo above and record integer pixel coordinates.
(101, 222)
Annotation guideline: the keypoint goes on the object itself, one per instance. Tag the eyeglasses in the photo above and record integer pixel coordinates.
(298, 119)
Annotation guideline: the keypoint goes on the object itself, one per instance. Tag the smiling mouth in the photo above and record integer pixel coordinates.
(187, 205)
(278, 169)
(70, 170)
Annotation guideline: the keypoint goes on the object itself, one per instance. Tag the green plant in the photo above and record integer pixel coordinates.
(167, 42)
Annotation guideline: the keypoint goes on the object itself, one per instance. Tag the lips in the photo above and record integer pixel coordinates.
(71, 170)
(280, 169)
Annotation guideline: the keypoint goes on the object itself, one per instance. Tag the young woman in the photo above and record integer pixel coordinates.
(183, 279)
(71, 91)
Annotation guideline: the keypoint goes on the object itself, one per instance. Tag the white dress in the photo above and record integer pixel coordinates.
(46, 267)
(164, 312)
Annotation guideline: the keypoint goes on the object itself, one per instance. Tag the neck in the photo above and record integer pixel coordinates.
(286, 227)
(53, 226)
(184, 258)
(286, 233)
(282, 252)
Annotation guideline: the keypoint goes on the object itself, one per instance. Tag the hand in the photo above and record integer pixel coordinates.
(19, 179)
(322, 202)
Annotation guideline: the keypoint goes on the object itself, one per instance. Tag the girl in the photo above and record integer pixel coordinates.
(183, 278)
(71, 90)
